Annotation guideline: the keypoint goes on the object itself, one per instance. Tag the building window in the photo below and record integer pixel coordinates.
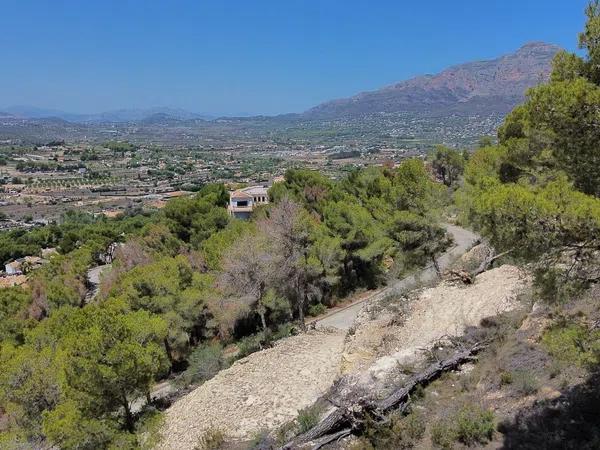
(242, 203)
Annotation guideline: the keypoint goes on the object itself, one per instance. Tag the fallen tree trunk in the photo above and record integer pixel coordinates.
(487, 262)
(469, 277)
(343, 420)
(400, 398)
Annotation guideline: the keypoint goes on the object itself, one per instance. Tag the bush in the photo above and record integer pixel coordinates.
(407, 431)
(471, 425)
(251, 344)
(308, 418)
(525, 382)
(443, 435)
(506, 378)
(285, 432)
(572, 343)
(474, 425)
(212, 439)
(399, 432)
(148, 429)
(360, 444)
(261, 439)
(204, 363)
(317, 310)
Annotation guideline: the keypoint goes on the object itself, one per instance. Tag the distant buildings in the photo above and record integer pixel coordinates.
(243, 201)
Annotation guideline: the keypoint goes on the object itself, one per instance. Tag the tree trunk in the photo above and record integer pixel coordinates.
(436, 266)
(263, 321)
(129, 423)
(169, 353)
(301, 313)
(344, 419)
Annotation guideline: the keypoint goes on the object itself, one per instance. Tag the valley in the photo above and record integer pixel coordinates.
(415, 266)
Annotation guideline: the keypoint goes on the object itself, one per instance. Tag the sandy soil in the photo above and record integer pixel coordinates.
(264, 390)
(437, 313)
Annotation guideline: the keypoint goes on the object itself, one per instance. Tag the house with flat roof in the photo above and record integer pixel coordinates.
(243, 201)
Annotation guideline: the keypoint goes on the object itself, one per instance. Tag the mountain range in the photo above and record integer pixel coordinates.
(482, 87)
(115, 116)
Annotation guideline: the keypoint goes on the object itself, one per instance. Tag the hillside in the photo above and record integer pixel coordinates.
(489, 87)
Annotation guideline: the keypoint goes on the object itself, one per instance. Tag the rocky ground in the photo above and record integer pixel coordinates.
(398, 331)
(261, 391)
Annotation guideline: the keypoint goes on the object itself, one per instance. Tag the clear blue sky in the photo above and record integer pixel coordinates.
(255, 56)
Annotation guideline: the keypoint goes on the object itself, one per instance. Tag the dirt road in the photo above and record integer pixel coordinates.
(463, 241)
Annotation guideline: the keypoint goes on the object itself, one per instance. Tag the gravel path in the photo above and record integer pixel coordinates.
(438, 313)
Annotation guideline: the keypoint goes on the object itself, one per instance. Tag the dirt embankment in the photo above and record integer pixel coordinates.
(388, 335)
(262, 391)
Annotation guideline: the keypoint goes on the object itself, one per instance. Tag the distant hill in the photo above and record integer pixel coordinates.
(482, 87)
(120, 115)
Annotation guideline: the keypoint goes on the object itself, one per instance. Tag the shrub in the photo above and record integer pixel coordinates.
(148, 429)
(474, 425)
(317, 310)
(360, 444)
(251, 344)
(401, 432)
(261, 439)
(407, 431)
(212, 439)
(283, 331)
(506, 378)
(525, 382)
(572, 343)
(443, 435)
(308, 418)
(204, 363)
(555, 369)
(471, 425)
(286, 432)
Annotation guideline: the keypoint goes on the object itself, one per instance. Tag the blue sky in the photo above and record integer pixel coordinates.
(251, 56)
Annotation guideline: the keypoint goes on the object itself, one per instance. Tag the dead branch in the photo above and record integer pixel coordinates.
(487, 262)
(459, 275)
(317, 444)
(343, 420)
(466, 277)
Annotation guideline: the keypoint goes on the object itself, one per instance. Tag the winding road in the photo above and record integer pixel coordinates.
(344, 318)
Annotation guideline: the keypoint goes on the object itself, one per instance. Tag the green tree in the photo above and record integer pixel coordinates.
(112, 356)
(448, 164)
(420, 240)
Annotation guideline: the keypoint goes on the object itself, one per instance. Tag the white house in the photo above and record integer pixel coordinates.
(243, 201)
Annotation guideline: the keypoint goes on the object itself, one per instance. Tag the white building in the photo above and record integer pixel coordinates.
(243, 201)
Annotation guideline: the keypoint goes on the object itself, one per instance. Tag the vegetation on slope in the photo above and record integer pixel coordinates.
(184, 283)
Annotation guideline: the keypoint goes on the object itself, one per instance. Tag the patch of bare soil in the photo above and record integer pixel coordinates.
(433, 315)
(261, 391)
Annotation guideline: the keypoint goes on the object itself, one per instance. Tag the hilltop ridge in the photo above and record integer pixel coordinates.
(493, 86)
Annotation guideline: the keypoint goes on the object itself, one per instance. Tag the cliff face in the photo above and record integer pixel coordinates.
(494, 86)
